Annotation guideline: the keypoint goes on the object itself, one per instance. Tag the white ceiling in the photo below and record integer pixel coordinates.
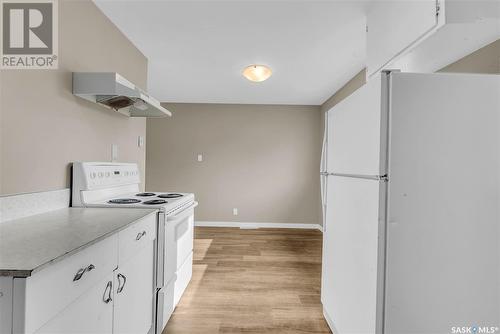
(197, 49)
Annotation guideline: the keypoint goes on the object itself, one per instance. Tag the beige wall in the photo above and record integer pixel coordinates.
(45, 127)
(261, 159)
(485, 60)
(350, 87)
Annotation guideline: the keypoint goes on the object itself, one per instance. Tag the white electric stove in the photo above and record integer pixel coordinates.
(100, 184)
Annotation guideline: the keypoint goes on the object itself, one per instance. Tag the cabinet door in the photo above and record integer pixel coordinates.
(51, 290)
(6, 285)
(90, 313)
(394, 27)
(134, 293)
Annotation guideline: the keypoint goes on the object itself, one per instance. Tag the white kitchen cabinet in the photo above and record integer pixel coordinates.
(90, 313)
(427, 35)
(107, 287)
(132, 239)
(395, 26)
(5, 304)
(134, 293)
(467, 27)
(47, 293)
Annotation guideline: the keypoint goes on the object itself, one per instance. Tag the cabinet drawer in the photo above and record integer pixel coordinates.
(49, 291)
(135, 237)
(182, 278)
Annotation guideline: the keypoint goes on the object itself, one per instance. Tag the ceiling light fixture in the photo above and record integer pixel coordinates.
(257, 73)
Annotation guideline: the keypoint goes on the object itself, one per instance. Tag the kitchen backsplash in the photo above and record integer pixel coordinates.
(23, 205)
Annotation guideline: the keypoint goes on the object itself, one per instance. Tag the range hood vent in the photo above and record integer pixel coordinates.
(113, 91)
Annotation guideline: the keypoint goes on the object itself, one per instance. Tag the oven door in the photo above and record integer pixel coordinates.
(175, 238)
(178, 241)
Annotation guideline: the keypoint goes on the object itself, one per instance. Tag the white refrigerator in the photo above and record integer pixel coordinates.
(411, 195)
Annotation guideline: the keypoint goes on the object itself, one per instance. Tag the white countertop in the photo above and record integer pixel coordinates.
(29, 244)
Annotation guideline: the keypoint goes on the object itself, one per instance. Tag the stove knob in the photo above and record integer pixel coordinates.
(100, 174)
(107, 174)
(92, 175)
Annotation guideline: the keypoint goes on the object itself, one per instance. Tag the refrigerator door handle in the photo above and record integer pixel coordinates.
(323, 173)
(383, 178)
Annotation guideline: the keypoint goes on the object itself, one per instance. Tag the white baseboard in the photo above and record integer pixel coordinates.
(329, 321)
(255, 225)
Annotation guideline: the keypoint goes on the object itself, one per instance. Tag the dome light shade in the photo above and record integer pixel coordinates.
(257, 73)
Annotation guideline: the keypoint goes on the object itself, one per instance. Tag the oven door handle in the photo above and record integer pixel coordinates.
(184, 213)
(160, 251)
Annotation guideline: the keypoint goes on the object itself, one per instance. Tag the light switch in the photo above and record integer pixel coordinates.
(114, 152)
(235, 211)
(140, 141)
(200, 157)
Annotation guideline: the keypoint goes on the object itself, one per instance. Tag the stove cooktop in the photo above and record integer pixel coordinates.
(162, 200)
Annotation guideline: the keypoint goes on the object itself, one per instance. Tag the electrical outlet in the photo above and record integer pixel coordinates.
(114, 153)
(200, 157)
(140, 141)
(235, 211)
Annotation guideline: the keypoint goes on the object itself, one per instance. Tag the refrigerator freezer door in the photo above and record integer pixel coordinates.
(354, 132)
(349, 281)
(444, 203)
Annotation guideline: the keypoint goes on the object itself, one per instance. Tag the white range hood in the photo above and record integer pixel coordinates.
(113, 91)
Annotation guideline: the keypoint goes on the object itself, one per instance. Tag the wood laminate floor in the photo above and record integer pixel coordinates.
(252, 281)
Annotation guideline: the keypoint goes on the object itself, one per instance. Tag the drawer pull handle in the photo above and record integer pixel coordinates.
(82, 271)
(121, 286)
(140, 235)
(108, 289)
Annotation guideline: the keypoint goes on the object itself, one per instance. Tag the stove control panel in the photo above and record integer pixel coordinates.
(103, 175)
